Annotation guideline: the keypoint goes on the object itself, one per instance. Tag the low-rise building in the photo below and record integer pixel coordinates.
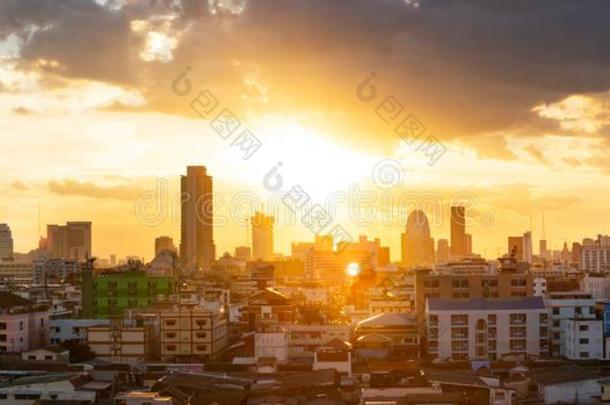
(142, 398)
(487, 329)
(400, 329)
(46, 354)
(62, 330)
(304, 340)
(566, 384)
(583, 339)
(192, 333)
(57, 387)
(118, 343)
(336, 354)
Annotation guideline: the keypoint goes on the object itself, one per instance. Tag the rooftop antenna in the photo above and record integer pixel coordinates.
(543, 230)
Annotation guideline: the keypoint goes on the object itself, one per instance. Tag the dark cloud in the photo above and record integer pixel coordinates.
(463, 67)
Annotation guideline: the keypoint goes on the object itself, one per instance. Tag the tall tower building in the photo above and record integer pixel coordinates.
(418, 246)
(6, 242)
(197, 250)
(458, 232)
(71, 241)
(262, 236)
(442, 250)
(527, 247)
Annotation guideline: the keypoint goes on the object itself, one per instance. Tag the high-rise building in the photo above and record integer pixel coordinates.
(527, 247)
(544, 253)
(197, 250)
(442, 250)
(164, 243)
(71, 241)
(417, 245)
(468, 244)
(262, 236)
(515, 247)
(595, 255)
(6, 242)
(458, 232)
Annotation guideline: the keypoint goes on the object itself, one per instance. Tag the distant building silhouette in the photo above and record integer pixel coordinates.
(6, 242)
(262, 236)
(197, 250)
(70, 241)
(417, 245)
(442, 250)
(458, 232)
(164, 243)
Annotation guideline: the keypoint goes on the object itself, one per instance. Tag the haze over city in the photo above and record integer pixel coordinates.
(304, 202)
(87, 129)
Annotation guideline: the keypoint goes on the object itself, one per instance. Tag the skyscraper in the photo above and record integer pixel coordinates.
(442, 250)
(418, 246)
(468, 244)
(458, 232)
(71, 241)
(527, 247)
(197, 250)
(262, 236)
(543, 250)
(6, 242)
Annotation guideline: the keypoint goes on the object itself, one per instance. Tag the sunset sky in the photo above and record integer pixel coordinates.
(518, 92)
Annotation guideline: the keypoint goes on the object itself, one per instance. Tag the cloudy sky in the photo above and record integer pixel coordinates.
(517, 92)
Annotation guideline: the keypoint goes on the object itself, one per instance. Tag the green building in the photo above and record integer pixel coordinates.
(108, 294)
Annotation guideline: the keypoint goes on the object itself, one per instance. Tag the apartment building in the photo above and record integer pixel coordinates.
(583, 339)
(563, 306)
(265, 310)
(192, 334)
(501, 284)
(24, 325)
(595, 255)
(119, 343)
(304, 340)
(486, 329)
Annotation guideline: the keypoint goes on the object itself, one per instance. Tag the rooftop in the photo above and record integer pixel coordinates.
(562, 374)
(485, 304)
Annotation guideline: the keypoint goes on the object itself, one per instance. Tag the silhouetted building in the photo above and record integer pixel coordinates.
(458, 232)
(418, 246)
(442, 250)
(262, 236)
(70, 241)
(164, 243)
(197, 250)
(6, 242)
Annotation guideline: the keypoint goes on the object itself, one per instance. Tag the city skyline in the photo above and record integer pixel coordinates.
(118, 129)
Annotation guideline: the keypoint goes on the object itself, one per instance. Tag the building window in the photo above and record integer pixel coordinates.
(170, 348)
(459, 333)
(433, 320)
(170, 322)
(584, 355)
(201, 335)
(170, 335)
(202, 348)
(201, 322)
(459, 319)
(583, 328)
(518, 318)
(460, 283)
(555, 311)
(518, 344)
(518, 282)
(491, 319)
(583, 341)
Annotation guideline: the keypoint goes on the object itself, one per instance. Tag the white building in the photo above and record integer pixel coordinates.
(595, 256)
(567, 305)
(51, 353)
(58, 386)
(598, 287)
(487, 329)
(121, 344)
(566, 384)
(271, 345)
(539, 286)
(23, 324)
(583, 339)
(72, 329)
